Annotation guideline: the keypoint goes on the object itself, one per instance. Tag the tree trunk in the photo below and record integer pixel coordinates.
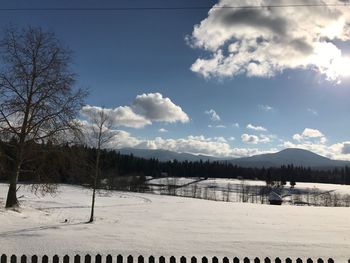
(11, 200)
(92, 206)
(97, 167)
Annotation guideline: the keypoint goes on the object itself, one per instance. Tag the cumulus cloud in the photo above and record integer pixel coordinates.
(346, 148)
(214, 146)
(309, 134)
(337, 151)
(265, 107)
(163, 130)
(256, 128)
(254, 139)
(313, 111)
(250, 138)
(155, 107)
(145, 109)
(265, 41)
(213, 115)
(220, 126)
(315, 141)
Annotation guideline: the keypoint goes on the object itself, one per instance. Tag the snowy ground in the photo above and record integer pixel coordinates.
(133, 223)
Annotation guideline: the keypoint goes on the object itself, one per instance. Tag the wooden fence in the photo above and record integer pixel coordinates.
(140, 259)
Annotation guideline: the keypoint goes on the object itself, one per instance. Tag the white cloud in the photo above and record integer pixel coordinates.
(154, 107)
(313, 111)
(220, 126)
(236, 124)
(310, 136)
(308, 133)
(256, 128)
(122, 116)
(250, 138)
(254, 139)
(145, 109)
(266, 107)
(213, 146)
(265, 41)
(163, 130)
(213, 115)
(337, 151)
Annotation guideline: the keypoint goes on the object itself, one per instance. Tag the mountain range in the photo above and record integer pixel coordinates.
(297, 157)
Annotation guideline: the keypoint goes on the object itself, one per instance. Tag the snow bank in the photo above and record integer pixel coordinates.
(133, 223)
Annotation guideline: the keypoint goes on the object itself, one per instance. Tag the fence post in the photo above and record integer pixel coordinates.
(87, 258)
(278, 260)
(204, 260)
(45, 259)
(23, 259)
(98, 258)
(267, 260)
(109, 258)
(320, 260)
(193, 260)
(299, 260)
(236, 260)
(172, 259)
(151, 259)
(119, 259)
(309, 260)
(246, 260)
(34, 259)
(215, 260)
(162, 259)
(140, 259)
(55, 259)
(13, 259)
(77, 259)
(256, 260)
(183, 259)
(330, 260)
(225, 260)
(66, 259)
(288, 260)
(130, 259)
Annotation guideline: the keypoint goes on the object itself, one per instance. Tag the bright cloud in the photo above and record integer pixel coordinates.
(337, 151)
(145, 109)
(312, 111)
(309, 133)
(266, 107)
(315, 141)
(213, 146)
(265, 41)
(256, 128)
(163, 130)
(155, 107)
(213, 115)
(254, 139)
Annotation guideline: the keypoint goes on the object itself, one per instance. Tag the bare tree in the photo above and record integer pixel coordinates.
(99, 134)
(38, 102)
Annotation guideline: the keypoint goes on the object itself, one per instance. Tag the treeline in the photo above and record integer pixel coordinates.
(74, 164)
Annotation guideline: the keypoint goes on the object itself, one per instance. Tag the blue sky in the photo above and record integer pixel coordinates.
(284, 85)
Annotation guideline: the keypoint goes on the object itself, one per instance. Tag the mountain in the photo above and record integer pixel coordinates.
(164, 155)
(297, 157)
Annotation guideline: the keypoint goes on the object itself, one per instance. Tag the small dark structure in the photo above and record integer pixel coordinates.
(275, 199)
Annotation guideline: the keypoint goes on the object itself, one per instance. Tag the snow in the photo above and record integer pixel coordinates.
(146, 224)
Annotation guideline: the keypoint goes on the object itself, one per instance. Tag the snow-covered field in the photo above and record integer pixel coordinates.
(134, 223)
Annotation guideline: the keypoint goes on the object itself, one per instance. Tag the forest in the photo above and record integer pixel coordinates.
(73, 164)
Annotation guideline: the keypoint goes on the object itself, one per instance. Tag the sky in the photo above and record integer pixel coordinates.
(226, 82)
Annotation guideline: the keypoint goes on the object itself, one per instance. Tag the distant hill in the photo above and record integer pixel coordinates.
(297, 157)
(164, 155)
